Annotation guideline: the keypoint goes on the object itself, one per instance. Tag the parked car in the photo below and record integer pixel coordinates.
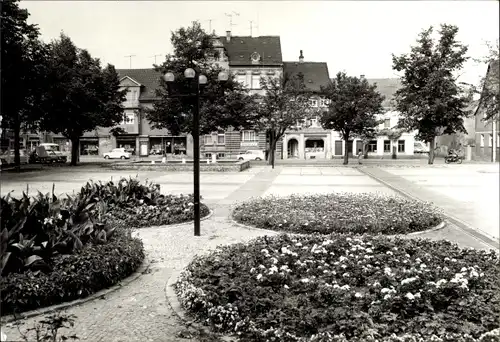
(420, 147)
(47, 153)
(8, 157)
(117, 153)
(251, 155)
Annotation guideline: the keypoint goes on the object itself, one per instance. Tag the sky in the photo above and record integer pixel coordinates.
(357, 37)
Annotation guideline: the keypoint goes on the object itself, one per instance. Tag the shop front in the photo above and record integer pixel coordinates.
(128, 143)
(89, 146)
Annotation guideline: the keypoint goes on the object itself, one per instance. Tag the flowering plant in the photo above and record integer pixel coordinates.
(364, 213)
(345, 288)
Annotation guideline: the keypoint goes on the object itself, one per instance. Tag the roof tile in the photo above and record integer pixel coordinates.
(240, 49)
(315, 73)
(148, 78)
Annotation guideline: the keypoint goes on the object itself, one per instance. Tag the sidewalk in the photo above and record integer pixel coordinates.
(460, 214)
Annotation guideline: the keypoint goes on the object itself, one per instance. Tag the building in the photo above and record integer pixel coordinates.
(248, 58)
(486, 130)
(307, 139)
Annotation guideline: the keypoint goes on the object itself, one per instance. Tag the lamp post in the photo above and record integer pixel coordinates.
(190, 74)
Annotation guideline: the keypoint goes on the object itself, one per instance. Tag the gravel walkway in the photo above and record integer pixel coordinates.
(139, 311)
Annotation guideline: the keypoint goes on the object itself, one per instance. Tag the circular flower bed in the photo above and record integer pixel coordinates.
(340, 288)
(364, 213)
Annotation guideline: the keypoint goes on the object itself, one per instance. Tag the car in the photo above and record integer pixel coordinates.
(251, 155)
(54, 152)
(420, 147)
(8, 157)
(117, 153)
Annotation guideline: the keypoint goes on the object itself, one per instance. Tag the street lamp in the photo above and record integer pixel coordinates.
(190, 74)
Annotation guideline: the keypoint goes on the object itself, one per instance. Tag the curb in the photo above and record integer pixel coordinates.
(177, 309)
(433, 229)
(49, 309)
(465, 227)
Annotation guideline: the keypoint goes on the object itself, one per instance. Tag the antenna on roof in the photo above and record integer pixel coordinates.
(231, 15)
(154, 56)
(130, 60)
(252, 26)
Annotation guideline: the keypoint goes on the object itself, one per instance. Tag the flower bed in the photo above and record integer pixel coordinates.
(364, 213)
(59, 249)
(340, 288)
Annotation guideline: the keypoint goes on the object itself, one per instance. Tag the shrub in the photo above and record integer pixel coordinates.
(341, 288)
(73, 276)
(364, 213)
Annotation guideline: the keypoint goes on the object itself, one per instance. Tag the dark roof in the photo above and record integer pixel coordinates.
(315, 73)
(240, 48)
(386, 87)
(148, 78)
(491, 73)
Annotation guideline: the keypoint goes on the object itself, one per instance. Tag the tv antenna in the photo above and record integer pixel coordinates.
(130, 60)
(154, 56)
(231, 15)
(252, 26)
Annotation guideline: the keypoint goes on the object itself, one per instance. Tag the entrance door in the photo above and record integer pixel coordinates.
(338, 147)
(359, 146)
(349, 148)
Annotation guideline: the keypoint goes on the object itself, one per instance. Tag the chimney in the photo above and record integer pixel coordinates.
(362, 76)
(228, 36)
(301, 57)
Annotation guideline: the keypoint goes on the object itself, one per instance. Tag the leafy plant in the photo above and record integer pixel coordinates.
(47, 330)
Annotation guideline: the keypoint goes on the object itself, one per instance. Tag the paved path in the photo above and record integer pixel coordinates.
(468, 194)
(139, 311)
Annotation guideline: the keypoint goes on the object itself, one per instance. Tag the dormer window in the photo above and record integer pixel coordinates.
(255, 57)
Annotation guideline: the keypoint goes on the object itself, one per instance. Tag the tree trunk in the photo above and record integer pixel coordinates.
(75, 149)
(346, 154)
(17, 138)
(430, 161)
(272, 148)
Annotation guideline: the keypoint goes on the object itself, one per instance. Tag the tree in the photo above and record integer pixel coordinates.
(82, 96)
(353, 109)
(23, 72)
(490, 83)
(222, 104)
(429, 100)
(285, 102)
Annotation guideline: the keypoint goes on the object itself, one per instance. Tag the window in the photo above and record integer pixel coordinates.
(128, 119)
(255, 81)
(208, 155)
(242, 79)
(221, 155)
(490, 142)
(314, 122)
(372, 146)
(481, 143)
(313, 103)
(249, 136)
(387, 146)
(208, 139)
(401, 146)
(387, 123)
(498, 138)
(221, 139)
(324, 102)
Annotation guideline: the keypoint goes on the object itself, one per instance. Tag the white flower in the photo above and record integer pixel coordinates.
(252, 270)
(389, 253)
(259, 276)
(408, 280)
(286, 286)
(59, 216)
(423, 266)
(387, 296)
(304, 280)
(474, 274)
(298, 244)
(358, 295)
(345, 287)
(387, 271)
(410, 296)
(345, 275)
(463, 269)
